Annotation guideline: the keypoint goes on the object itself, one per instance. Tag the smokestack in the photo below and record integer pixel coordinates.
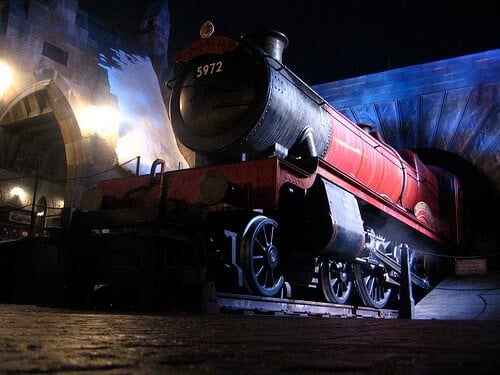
(270, 41)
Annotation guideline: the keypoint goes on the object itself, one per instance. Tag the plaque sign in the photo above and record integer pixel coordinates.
(473, 266)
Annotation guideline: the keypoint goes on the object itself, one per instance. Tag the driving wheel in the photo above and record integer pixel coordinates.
(335, 281)
(371, 285)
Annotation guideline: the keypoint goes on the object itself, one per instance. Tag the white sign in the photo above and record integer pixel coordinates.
(19, 217)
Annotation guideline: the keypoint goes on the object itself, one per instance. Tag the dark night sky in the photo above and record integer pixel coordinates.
(332, 40)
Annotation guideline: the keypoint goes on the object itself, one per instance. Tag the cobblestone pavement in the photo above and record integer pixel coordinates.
(40, 340)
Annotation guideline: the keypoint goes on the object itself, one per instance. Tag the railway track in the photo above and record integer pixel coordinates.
(246, 304)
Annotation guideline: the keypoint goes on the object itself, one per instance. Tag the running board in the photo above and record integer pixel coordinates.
(250, 305)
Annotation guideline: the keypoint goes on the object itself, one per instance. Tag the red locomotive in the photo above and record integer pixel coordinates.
(286, 191)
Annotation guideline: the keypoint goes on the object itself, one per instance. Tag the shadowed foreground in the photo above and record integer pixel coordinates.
(46, 340)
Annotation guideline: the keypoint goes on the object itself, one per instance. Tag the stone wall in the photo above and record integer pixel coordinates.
(85, 65)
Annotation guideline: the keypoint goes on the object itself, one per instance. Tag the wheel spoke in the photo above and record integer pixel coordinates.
(262, 247)
(369, 285)
(272, 236)
(337, 287)
(259, 271)
(271, 275)
(267, 278)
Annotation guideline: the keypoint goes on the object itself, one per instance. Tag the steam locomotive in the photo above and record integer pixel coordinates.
(286, 193)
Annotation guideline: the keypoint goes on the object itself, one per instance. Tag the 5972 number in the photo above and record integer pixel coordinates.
(203, 70)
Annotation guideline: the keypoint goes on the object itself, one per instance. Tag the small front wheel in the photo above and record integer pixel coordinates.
(260, 256)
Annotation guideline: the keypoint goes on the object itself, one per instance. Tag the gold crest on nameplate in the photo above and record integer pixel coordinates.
(207, 29)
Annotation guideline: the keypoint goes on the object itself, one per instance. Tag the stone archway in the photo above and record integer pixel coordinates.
(480, 198)
(39, 114)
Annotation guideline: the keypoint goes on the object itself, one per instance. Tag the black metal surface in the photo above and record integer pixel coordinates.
(248, 105)
(334, 227)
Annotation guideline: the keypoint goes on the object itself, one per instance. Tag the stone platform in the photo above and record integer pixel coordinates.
(472, 297)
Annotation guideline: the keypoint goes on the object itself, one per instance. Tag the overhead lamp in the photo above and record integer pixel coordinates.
(19, 192)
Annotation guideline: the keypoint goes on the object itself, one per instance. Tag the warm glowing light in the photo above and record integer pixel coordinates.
(59, 203)
(133, 144)
(5, 77)
(128, 146)
(103, 121)
(19, 192)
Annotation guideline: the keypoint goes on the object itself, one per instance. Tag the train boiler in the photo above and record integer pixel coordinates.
(286, 191)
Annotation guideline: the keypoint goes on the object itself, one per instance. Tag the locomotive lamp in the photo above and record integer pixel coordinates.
(213, 187)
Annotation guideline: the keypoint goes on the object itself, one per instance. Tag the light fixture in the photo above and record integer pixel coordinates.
(5, 77)
(18, 195)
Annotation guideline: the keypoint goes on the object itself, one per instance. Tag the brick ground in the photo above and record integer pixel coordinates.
(47, 340)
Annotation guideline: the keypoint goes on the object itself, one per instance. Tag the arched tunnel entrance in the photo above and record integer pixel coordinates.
(33, 165)
(480, 198)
